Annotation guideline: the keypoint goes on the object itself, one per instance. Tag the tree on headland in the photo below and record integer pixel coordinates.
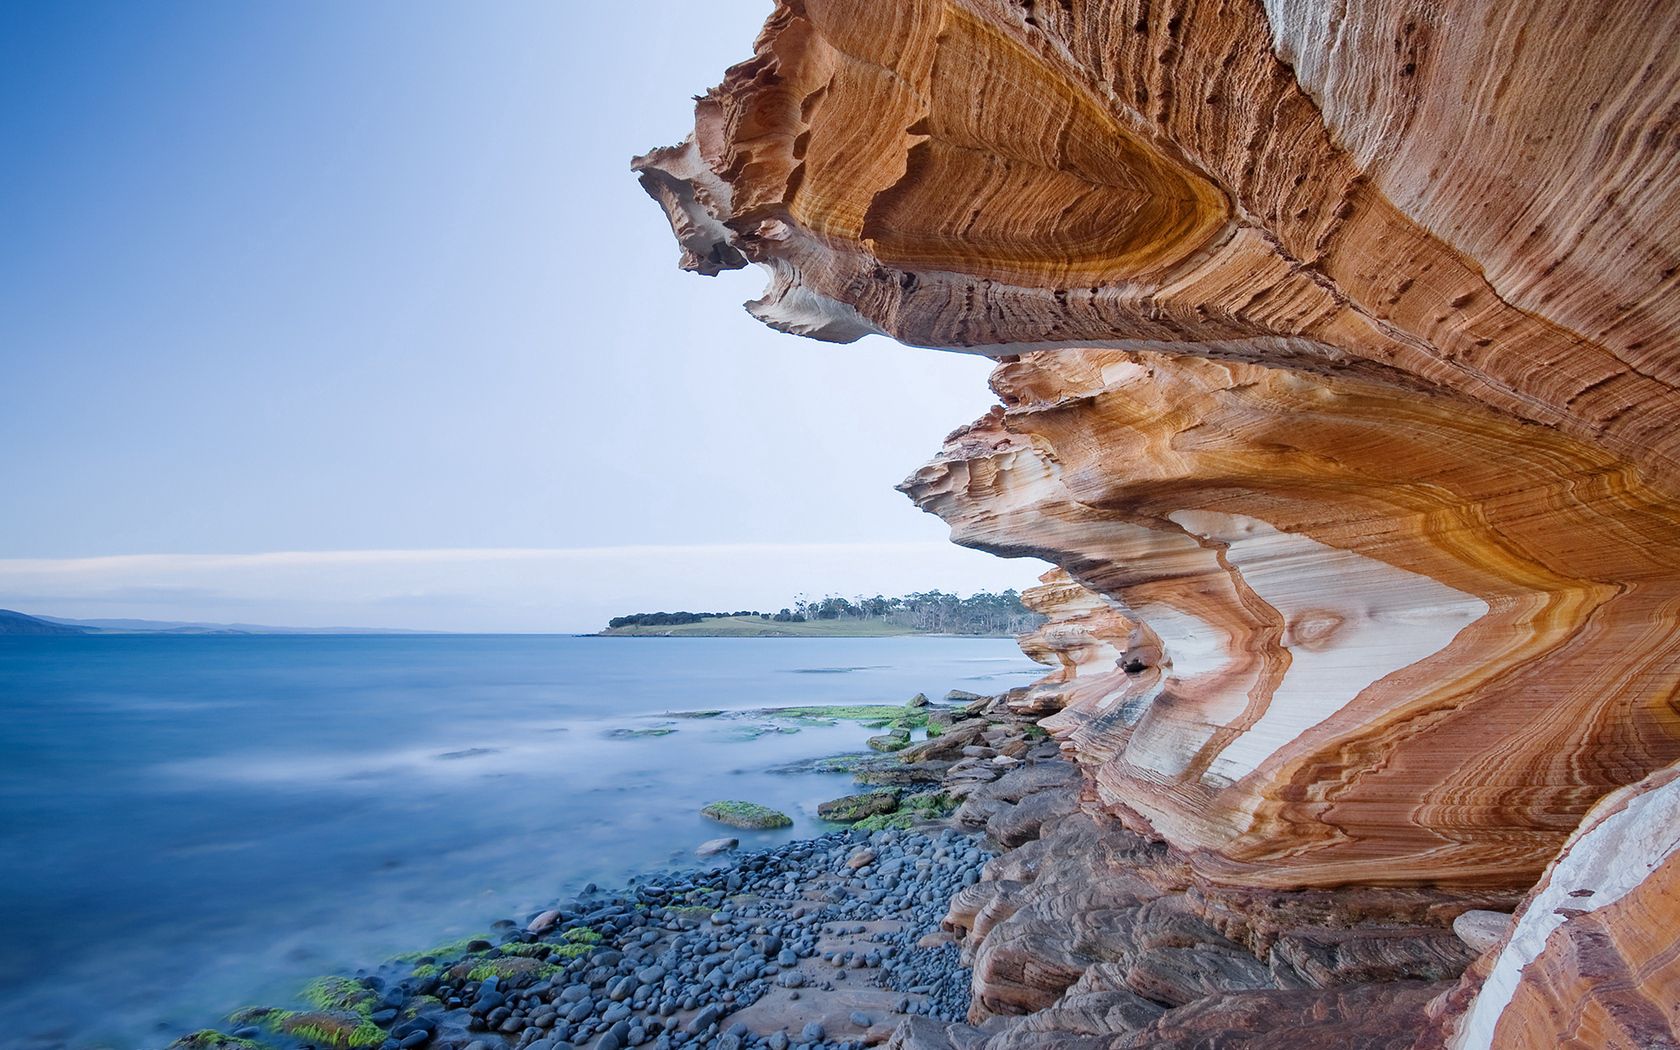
(934, 612)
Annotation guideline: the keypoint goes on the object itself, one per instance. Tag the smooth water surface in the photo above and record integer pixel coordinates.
(191, 824)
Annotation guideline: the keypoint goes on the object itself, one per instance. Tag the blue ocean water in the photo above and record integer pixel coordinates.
(192, 824)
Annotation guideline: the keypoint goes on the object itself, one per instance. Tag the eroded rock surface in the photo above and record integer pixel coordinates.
(1593, 956)
(1089, 935)
(1358, 482)
(1338, 375)
(1325, 631)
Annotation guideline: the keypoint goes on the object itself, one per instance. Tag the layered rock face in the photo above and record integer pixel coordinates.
(1338, 376)
(1449, 198)
(1345, 634)
(1593, 958)
(1085, 639)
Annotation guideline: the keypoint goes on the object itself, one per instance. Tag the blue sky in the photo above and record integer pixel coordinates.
(305, 277)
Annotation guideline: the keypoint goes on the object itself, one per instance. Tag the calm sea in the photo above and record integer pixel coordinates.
(193, 824)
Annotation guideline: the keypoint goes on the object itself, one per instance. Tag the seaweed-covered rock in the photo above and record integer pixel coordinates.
(501, 967)
(340, 994)
(947, 744)
(210, 1039)
(851, 808)
(751, 815)
(892, 740)
(912, 810)
(322, 1028)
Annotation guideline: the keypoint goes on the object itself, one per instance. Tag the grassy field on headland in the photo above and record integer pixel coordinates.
(754, 627)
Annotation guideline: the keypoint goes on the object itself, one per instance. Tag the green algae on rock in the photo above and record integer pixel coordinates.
(210, 1039)
(628, 733)
(880, 716)
(339, 994)
(911, 810)
(323, 1028)
(477, 943)
(894, 740)
(753, 732)
(751, 815)
(503, 968)
(901, 820)
(849, 809)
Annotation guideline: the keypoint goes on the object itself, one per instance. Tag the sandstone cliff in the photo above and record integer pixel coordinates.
(1338, 378)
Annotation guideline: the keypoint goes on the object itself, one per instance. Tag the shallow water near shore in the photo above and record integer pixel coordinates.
(190, 824)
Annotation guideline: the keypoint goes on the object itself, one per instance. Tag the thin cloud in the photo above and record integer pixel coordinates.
(265, 559)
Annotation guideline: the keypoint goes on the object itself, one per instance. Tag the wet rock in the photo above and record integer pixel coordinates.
(749, 815)
(849, 809)
(892, 740)
(544, 922)
(947, 745)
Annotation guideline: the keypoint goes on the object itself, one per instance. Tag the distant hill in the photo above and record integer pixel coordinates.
(19, 623)
(149, 626)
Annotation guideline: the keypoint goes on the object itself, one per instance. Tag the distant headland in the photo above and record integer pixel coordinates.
(980, 615)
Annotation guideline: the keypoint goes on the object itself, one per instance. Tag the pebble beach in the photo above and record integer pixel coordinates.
(824, 943)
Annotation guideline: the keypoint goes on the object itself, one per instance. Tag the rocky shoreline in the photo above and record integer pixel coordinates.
(975, 904)
(819, 944)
